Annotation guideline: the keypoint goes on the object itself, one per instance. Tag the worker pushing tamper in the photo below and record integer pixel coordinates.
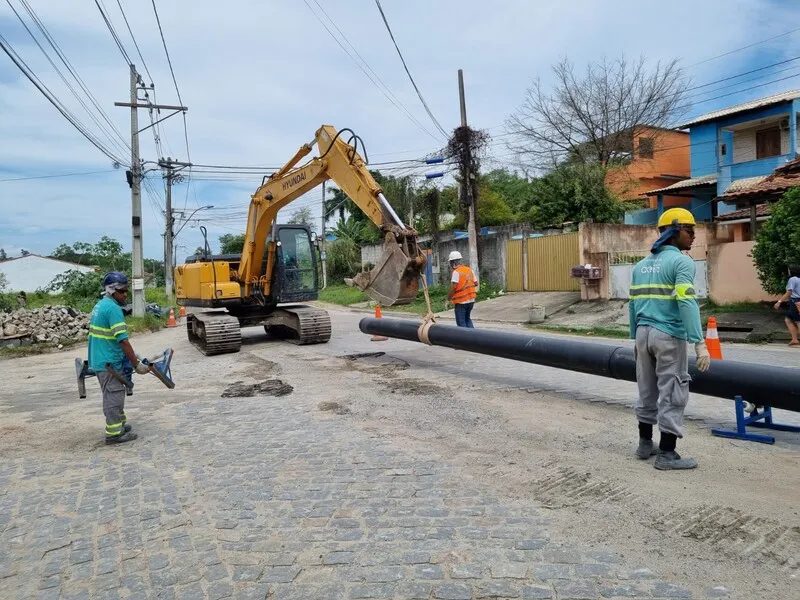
(113, 360)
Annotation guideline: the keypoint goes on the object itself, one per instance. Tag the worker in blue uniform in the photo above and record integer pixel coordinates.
(664, 319)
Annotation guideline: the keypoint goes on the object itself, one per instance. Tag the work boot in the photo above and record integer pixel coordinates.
(126, 428)
(667, 461)
(646, 449)
(121, 439)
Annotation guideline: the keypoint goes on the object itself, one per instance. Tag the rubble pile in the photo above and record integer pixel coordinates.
(49, 324)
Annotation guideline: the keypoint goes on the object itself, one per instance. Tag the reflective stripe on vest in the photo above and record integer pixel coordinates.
(467, 287)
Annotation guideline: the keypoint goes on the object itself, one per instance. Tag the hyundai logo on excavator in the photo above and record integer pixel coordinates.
(293, 181)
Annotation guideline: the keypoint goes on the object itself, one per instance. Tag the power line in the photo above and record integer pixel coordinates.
(405, 66)
(75, 94)
(73, 72)
(133, 37)
(56, 176)
(114, 35)
(765, 67)
(174, 81)
(775, 37)
(26, 70)
(371, 70)
(399, 107)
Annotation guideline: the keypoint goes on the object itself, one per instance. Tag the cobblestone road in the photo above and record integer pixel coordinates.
(267, 497)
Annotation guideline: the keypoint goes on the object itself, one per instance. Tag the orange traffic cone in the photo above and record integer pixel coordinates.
(378, 338)
(171, 322)
(182, 312)
(712, 339)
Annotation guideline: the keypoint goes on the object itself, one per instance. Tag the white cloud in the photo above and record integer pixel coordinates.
(259, 78)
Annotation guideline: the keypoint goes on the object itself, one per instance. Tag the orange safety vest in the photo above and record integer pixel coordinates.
(467, 287)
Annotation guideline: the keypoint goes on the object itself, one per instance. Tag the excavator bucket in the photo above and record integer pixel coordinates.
(394, 280)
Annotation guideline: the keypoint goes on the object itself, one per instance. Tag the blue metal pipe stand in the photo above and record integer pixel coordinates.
(761, 419)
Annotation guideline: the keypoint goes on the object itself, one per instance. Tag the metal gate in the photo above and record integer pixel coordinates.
(549, 261)
(514, 267)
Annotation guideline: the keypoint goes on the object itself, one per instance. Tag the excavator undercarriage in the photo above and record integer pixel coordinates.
(220, 333)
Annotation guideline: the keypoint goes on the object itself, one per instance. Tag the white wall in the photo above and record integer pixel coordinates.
(29, 273)
(744, 144)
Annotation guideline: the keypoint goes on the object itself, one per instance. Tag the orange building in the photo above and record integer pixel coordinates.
(654, 158)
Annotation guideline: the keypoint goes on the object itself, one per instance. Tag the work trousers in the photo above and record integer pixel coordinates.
(113, 403)
(464, 314)
(662, 373)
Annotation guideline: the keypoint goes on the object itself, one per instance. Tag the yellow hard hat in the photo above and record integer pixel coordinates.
(676, 216)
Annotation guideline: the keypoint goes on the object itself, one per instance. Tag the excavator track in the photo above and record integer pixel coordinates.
(214, 332)
(300, 325)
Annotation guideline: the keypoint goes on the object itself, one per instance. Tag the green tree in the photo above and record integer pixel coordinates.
(77, 286)
(492, 209)
(573, 193)
(514, 190)
(303, 216)
(3, 255)
(106, 254)
(343, 260)
(231, 243)
(778, 242)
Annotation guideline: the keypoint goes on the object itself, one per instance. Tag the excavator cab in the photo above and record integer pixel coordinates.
(296, 264)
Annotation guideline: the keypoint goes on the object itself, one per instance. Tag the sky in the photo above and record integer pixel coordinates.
(259, 78)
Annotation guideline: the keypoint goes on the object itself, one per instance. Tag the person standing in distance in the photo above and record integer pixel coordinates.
(664, 316)
(793, 296)
(108, 344)
(463, 290)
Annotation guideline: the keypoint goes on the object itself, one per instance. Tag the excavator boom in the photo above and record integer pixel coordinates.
(277, 267)
(395, 279)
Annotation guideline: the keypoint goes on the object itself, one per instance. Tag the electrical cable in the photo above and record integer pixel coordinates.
(399, 107)
(43, 89)
(41, 26)
(133, 37)
(114, 35)
(405, 66)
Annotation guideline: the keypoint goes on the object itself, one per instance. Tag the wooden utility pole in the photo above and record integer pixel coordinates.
(467, 179)
(135, 183)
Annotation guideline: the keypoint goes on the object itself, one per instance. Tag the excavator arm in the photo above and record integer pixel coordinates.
(395, 279)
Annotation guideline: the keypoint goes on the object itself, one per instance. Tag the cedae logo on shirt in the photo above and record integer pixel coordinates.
(653, 266)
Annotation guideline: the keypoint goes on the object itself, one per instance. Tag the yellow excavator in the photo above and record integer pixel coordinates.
(278, 265)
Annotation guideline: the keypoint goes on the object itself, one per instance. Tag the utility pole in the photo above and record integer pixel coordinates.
(134, 177)
(171, 175)
(322, 254)
(467, 182)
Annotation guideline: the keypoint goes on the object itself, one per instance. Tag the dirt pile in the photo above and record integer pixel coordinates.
(49, 324)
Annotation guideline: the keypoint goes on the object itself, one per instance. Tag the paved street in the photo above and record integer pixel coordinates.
(297, 496)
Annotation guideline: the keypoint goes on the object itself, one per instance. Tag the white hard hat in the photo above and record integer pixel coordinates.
(454, 255)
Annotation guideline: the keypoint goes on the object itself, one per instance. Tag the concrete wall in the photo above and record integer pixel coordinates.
(670, 156)
(32, 272)
(732, 275)
(598, 242)
(491, 249)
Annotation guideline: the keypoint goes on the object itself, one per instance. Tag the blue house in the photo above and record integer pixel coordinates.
(733, 149)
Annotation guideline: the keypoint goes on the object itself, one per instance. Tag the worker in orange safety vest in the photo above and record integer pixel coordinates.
(463, 290)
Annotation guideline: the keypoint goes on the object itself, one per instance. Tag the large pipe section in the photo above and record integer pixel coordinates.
(763, 385)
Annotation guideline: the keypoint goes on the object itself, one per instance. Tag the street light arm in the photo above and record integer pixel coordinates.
(210, 206)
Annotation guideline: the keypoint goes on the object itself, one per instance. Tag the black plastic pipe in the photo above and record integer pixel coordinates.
(763, 385)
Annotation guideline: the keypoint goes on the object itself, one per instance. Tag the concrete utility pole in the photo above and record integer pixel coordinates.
(135, 183)
(323, 256)
(171, 175)
(467, 182)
